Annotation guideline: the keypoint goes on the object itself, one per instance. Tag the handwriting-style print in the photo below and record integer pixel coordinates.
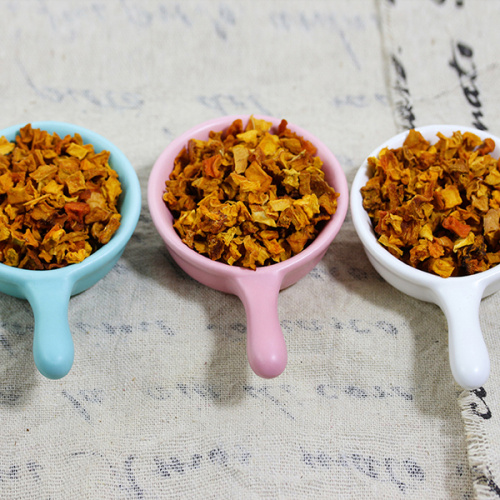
(101, 98)
(334, 391)
(463, 63)
(487, 479)
(403, 101)
(230, 103)
(479, 407)
(82, 398)
(404, 474)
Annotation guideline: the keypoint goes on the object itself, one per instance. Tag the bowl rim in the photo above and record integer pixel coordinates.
(362, 222)
(130, 202)
(162, 217)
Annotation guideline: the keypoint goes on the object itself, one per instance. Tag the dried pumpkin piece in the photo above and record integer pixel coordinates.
(437, 207)
(6, 147)
(58, 200)
(77, 150)
(240, 155)
(249, 196)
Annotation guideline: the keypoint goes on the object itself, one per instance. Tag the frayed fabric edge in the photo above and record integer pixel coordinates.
(478, 449)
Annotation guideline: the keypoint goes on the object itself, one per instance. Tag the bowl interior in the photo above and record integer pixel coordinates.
(87, 272)
(383, 260)
(195, 263)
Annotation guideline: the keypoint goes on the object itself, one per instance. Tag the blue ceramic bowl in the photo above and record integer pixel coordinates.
(48, 292)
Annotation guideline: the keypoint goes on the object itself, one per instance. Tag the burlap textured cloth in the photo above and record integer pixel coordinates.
(160, 402)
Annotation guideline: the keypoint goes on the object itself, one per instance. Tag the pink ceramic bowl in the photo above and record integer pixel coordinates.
(259, 289)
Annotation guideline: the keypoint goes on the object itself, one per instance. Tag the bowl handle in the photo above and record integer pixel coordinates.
(469, 359)
(53, 349)
(266, 348)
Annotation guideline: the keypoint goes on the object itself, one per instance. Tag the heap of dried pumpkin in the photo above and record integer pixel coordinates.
(249, 196)
(58, 200)
(437, 207)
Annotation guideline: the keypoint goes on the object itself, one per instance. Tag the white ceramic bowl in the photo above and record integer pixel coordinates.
(458, 297)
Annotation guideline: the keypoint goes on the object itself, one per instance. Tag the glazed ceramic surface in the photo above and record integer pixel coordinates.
(458, 297)
(49, 291)
(259, 289)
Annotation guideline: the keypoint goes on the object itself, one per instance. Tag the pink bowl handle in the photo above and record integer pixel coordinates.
(266, 348)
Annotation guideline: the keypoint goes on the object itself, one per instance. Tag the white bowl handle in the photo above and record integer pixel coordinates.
(469, 359)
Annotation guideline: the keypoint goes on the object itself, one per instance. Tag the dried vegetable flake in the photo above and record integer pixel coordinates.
(58, 200)
(437, 207)
(249, 196)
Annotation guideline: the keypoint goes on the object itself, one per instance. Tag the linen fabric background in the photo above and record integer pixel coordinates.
(161, 402)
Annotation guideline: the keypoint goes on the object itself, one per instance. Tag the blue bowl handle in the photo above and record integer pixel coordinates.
(53, 349)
